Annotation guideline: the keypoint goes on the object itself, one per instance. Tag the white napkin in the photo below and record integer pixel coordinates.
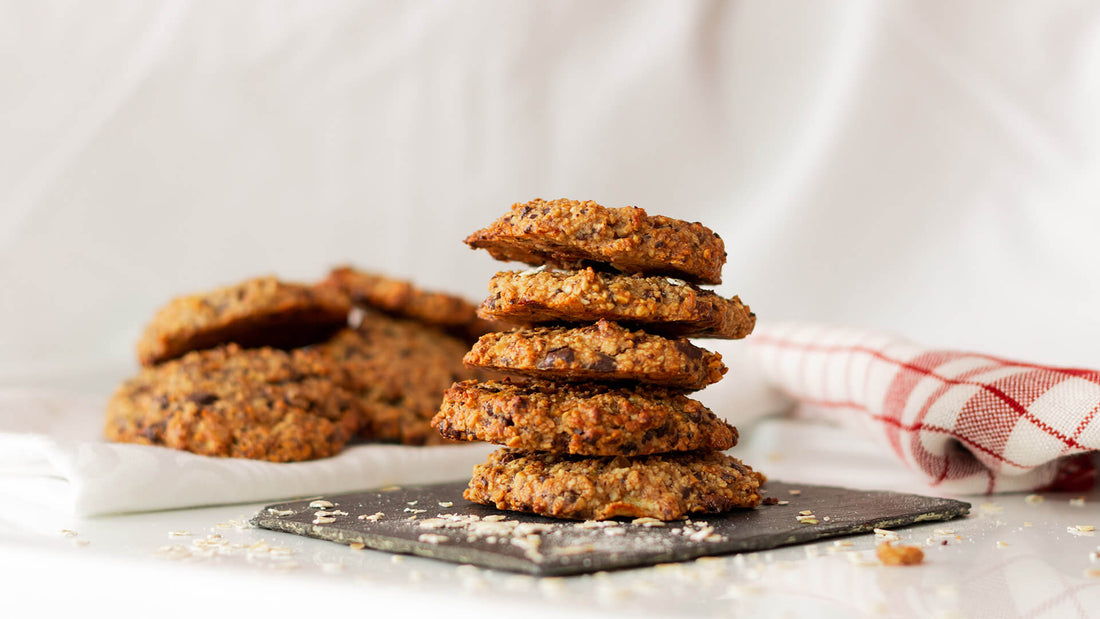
(52, 452)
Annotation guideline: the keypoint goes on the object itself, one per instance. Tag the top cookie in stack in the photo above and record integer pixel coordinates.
(599, 425)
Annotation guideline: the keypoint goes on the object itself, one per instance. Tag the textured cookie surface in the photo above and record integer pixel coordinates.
(604, 351)
(255, 313)
(656, 304)
(259, 403)
(583, 419)
(402, 299)
(399, 370)
(571, 233)
(665, 487)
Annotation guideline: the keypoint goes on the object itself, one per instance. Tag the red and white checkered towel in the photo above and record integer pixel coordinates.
(972, 423)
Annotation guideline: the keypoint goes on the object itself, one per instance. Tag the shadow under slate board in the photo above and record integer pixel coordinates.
(435, 521)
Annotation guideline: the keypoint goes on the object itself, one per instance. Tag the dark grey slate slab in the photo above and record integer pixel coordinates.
(547, 547)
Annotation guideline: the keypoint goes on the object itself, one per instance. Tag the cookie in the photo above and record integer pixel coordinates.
(260, 403)
(604, 351)
(255, 313)
(666, 487)
(655, 304)
(582, 419)
(398, 369)
(571, 234)
(401, 299)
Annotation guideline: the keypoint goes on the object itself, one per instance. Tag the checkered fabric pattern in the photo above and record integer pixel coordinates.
(971, 423)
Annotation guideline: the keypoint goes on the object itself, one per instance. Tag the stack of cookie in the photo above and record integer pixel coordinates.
(596, 423)
(271, 370)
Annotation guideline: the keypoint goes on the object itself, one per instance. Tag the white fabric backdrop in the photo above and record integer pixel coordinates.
(931, 169)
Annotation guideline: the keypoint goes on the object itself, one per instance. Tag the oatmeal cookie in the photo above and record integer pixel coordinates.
(401, 299)
(571, 233)
(399, 370)
(666, 487)
(656, 304)
(255, 313)
(583, 419)
(259, 403)
(603, 351)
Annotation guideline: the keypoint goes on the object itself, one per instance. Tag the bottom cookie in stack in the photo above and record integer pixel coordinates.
(663, 486)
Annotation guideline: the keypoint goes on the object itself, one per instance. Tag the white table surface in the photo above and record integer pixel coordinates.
(1011, 557)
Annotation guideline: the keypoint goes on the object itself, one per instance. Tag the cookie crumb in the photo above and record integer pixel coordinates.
(890, 554)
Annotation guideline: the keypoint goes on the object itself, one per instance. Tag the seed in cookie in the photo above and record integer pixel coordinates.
(259, 403)
(604, 351)
(398, 369)
(571, 234)
(656, 304)
(255, 313)
(665, 487)
(583, 419)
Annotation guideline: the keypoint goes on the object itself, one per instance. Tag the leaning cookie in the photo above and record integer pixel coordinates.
(260, 403)
(582, 419)
(398, 370)
(656, 304)
(571, 233)
(402, 299)
(255, 313)
(604, 351)
(666, 487)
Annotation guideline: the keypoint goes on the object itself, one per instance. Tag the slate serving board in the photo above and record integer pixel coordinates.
(547, 547)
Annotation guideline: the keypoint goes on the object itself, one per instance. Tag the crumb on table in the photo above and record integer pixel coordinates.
(890, 554)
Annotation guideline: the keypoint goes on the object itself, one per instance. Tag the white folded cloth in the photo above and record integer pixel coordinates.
(52, 452)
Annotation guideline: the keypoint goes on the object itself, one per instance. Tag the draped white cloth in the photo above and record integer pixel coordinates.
(927, 169)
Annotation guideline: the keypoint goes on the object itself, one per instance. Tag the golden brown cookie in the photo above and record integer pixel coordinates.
(571, 234)
(666, 487)
(401, 299)
(255, 313)
(260, 403)
(604, 351)
(583, 419)
(399, 370)
(656, 304)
